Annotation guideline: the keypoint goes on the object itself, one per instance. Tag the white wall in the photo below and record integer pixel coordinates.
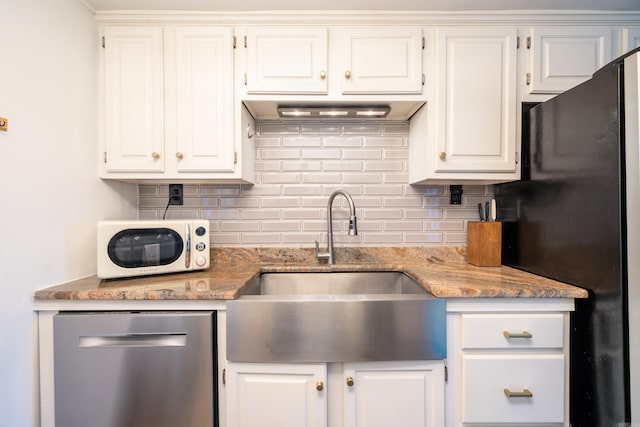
(51, 196)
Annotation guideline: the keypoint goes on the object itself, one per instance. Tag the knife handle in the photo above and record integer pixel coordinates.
(480, 212)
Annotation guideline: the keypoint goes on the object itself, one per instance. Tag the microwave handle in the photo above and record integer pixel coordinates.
(187, 258)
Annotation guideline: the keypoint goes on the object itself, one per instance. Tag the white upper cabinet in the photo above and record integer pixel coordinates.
(203, 138)
(169, 110)
(562, 57)
(630, 39)
(134, 91)
(474, 113)
(293, 60)
(286, 60)
(380, 60)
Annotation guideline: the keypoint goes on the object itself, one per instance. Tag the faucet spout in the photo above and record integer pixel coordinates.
(353, 227)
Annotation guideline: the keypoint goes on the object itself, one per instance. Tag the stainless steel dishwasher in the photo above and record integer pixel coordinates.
(135, 369)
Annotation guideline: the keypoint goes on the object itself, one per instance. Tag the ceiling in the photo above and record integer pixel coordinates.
(374, 5)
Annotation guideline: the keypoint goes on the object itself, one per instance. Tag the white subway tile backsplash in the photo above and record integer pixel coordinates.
(361, 129)
(362, 153)
(384, 141)
(298, 167)
(342, 141)
(301, 141)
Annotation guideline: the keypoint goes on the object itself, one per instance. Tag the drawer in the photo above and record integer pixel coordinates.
(485, 378)
(499, 331)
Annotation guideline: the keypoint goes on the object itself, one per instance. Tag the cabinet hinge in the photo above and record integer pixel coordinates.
(529, 42)
(446, 374)
(423, 43)
(518, 42)
(234, 41)
(245, 79)
(235, 157)
(105, 157)
(103, 43)
(423, 79)
(528, 79)
(245, 41)
(224, 377)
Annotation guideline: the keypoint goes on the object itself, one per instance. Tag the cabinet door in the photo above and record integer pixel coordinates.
(134, 136)
(286, 60)
(630, 39)
(513, 388)
(563, 57)
(382, 394)
(204, 93)
(382, 60)
(476, 99)
(262, 394)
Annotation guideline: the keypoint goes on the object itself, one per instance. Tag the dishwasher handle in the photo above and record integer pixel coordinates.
(133, 340)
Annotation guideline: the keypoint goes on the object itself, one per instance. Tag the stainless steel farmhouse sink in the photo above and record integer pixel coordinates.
(335, 317)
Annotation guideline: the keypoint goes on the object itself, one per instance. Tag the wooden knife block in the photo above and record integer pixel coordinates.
(484, 243)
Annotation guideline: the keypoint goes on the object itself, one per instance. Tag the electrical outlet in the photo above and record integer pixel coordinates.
(455, 194)
(175, 194)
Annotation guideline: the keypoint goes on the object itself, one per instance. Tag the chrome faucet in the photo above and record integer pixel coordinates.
(353, 228)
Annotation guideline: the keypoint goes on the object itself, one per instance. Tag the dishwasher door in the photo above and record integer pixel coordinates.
(135, 369)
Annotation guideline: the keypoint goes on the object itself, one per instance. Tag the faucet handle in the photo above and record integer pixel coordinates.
(321, 255)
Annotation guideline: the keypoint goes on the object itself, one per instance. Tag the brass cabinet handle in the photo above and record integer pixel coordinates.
(323, 74)
(319, 386)
(155, 155)
(179, 155)
(524, 393)
(350, 381)
(523, 334)
(442, 155)
(347, 74)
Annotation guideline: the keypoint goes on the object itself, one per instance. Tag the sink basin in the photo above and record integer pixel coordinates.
(340, 283)
(335, 317)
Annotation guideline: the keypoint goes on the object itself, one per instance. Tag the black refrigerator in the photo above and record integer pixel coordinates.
(575, 217)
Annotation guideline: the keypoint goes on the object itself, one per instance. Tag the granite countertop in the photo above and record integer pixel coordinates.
(443, 271)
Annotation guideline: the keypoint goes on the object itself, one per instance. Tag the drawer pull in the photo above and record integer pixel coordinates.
(524, 393)
(523, 334)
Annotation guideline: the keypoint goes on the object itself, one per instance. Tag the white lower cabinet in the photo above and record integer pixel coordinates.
(407, 394)
(508, 364)
(371, 394)
(283, 395)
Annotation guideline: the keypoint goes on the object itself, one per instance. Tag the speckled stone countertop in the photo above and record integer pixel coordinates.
(442, 271)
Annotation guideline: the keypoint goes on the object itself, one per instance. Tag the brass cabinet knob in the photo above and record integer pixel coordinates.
(323, 74)
(350, 381)
(347, 74)
(319, 386)
(442, 155)
(155, 155)
(179, 155)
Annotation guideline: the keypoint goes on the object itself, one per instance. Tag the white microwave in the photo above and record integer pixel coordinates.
(138, 248)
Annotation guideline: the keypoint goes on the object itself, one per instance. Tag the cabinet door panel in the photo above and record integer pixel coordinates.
(287, 60)
(476, 99)
(276, 395)
(386, 60)
(134, 137)
(204, 88)
(630, 39)
(485, 377)
(485, 331)
(562, 58)
(408, 394)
